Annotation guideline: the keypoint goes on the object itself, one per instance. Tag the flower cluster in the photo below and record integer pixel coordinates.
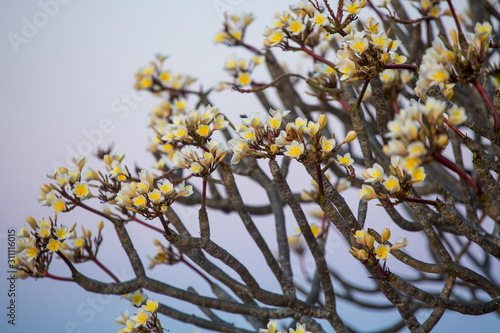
(36, 248)
(382, 252)
(165, 255)
(148, 197)
(241, 69)
(445, 65)
(203, 163)
(52, 195)
(272, 327)
(83, 248)
(192, 128)
(308, 23)
(234, 29)
(155, 79)
(265, 138)
(418, 133)
(364, 53)
(397, 185)
(146, 319)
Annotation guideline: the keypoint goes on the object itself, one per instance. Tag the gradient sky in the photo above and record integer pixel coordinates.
(71, 74)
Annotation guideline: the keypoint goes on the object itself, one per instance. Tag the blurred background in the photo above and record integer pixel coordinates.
(67, 70)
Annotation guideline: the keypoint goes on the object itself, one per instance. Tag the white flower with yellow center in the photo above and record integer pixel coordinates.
(320, 19)
(457, 115)
(271, 327)
(367, 193)
(392, 184)
(155, 196)
(383, 252)
(243, 78)
(418, 175)
(53, 245)
(294, 150)
(141, 318)
(185, 190)
(166, 187)
(327, 145)
(345, 160)
(150, 306)
(203, 130)
(296, 26)
(81, 190)
(195, 168)
(58, 205)
(140, 202)
(61, 232)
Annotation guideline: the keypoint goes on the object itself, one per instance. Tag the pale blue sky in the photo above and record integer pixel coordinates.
(71, 74)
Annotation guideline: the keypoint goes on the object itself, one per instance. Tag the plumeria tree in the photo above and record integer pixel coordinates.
(396, 100)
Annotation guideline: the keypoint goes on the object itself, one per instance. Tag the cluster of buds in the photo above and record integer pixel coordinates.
(272, 328)
(145, 321)
(310, 23)
(149, 197)
(363, 54)
(35, 248)
(193, 128)
(418, 133)
(165, 255)
(156, 80)
(234, 29)
(115, 169)
(52, 195)
(240, 69)
(266, 139)
(383, 250)
(445, 65)
(83, 248)
(200, 164)
(397, 185)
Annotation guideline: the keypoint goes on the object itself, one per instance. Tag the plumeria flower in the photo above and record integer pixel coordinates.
(401, 242)
(271, 327)
(457, 115)
(392, 184)
(296, 26)
(294, 150)
(299, 328)
(345, 160)
(320, 19)
(81, 190)
(53, 245)
(367, 193)
(373, 174)
(185, 190)
(141, 318)
(150, 306)
(383, 252)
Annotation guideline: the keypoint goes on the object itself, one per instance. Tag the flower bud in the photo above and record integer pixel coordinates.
(32, 222)
(350, 136)
(100, 225)
(107, 159)
(156, 242)
(322, 121)
(368, 240)
(386, 234)
(80, 162)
